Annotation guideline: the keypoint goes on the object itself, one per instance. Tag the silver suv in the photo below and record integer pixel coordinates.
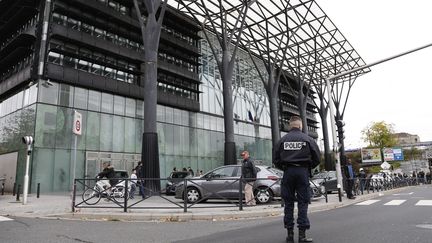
(223, 183)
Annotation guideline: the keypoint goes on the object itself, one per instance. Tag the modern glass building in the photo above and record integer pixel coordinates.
(60, 56)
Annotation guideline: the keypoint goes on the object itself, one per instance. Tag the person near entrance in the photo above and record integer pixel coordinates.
(296, 154)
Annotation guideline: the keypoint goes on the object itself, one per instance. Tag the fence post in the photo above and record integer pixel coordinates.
(240, 194)
(126, 195)
(325, 188)
(185, 196)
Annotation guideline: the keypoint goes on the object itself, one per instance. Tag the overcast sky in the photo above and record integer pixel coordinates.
(399, 91)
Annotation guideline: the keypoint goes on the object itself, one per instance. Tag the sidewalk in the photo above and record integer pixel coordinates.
(58, 206)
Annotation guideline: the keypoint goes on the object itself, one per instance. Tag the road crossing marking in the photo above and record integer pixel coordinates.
(402, 194)
(424, 203)
(367, 202)
(5, 219)
(395, 202)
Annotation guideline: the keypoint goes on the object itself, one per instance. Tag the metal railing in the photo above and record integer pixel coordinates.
(88, 193)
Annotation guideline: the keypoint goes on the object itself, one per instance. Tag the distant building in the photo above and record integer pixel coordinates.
(406, 138)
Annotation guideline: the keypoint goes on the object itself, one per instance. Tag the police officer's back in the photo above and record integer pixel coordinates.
(296, 154)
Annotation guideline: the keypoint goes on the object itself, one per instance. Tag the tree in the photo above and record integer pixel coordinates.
(151, 25)
(379, 134)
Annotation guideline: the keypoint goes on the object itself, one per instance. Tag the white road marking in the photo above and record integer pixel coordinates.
(5, 219)
(395, 202)
(424, 203)
(368, 202)
(401, 194)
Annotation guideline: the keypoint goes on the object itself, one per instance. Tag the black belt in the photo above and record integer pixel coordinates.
(293, 165)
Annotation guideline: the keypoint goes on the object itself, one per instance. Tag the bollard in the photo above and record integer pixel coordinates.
(38, 190)
(3, 188)
(14, 189)
(73, 196)
(340, 194)
(18, 193)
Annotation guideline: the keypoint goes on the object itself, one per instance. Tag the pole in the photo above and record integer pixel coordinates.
(74, 160)
(335, 142)
(377, 62)
(26, 176)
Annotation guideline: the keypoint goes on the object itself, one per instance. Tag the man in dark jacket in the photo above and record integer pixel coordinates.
(109, 173)
(296, 154)
(249, 177)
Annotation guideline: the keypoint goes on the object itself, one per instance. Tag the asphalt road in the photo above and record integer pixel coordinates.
(404, 221)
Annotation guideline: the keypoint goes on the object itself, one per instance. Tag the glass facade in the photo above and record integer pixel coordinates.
(113, 125)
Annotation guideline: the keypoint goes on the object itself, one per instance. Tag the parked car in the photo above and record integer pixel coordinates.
(174, 178)
(223, 183)
(326, 179)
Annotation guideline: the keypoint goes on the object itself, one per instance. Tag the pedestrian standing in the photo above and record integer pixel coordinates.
(349, 173)
(140, 181)
(191, 172)
(296, 154)
(249, 177)
(362, 178)
(133, 183)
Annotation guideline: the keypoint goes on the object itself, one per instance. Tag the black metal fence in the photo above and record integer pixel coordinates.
(191, 192)
(194, 192)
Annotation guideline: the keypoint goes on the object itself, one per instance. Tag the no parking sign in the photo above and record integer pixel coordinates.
(77, 123)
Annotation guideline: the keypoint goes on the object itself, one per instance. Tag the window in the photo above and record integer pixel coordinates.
(55, 58)
(69, 62)
(83, 65)
(109, 72)
(73, 24)
(99, 33)
(96, 69)
(87, 28)
(121, 76)
(58, 19)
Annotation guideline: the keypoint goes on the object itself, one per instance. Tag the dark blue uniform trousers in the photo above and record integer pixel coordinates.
(296, 180)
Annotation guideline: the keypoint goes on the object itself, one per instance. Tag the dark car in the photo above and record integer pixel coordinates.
(121, 174)
(223, 183)
(327, 179)
(174, 178)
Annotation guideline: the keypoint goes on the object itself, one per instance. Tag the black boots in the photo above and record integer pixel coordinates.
(302, 236)
(290, 237)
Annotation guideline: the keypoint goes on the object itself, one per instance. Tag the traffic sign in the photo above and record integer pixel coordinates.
(77, 123)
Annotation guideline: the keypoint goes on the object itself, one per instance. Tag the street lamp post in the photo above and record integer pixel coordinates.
(331, 104)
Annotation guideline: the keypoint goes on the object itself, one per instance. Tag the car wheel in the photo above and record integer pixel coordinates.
(192, 195)
(263, 195)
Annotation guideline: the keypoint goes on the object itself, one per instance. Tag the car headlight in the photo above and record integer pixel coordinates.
(169, 183)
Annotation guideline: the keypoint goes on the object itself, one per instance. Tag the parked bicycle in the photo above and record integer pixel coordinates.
(116, 193)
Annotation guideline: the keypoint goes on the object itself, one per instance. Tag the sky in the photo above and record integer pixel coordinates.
(398, 92)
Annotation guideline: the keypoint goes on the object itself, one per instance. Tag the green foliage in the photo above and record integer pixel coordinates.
(379, 135)
(412, 154)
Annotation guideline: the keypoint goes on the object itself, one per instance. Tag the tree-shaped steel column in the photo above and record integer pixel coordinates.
(215, 18)
(150, 30)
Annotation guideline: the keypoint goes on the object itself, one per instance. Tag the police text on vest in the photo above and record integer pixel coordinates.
(294, 145)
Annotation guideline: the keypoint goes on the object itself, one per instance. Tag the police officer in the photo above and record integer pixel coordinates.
(296, 154)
